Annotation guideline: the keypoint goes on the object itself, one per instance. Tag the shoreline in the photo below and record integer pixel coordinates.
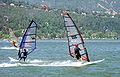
(66, 38)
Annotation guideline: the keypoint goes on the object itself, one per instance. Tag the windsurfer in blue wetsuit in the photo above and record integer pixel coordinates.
(77, 52)
(25, 53)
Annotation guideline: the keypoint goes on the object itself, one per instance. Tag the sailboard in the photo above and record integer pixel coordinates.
(13, 39)
(74, 37)
(29, 39)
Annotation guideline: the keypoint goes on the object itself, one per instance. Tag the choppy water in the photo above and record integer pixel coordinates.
(51, 59)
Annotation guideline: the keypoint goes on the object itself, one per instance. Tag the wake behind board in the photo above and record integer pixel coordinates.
(79, 64)
(13, 60)
(16, 60)
(49, 64)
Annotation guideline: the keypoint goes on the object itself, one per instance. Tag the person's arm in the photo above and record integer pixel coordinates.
(81, 49)
(16, 45)
(29, 52)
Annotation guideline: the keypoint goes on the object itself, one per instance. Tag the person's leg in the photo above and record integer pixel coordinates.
(24, 58)
(81, 59)
(20, 59)
(19, 55)
(77, 57)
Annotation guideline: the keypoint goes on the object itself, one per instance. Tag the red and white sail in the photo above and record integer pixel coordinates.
(74, 37)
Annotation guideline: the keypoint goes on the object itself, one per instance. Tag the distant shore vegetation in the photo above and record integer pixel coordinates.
(92, 24)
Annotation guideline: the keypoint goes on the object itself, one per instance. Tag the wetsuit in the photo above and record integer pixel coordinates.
(77, 53)
(13, 44)
(24, 55)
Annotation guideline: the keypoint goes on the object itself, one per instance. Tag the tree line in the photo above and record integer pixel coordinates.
(51, 23)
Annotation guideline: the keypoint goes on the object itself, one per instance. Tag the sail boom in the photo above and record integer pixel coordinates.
(73, 35)
(32, 26)
(30, 34)
(29, 42)
(71, 26)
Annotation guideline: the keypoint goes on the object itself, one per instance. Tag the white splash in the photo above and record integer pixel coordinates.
(27, 61)
(16, 65)
(41, 63)
(13, 60)
(9, 48)
(36, 61)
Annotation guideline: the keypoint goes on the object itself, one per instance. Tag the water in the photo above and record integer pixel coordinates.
(51, 59)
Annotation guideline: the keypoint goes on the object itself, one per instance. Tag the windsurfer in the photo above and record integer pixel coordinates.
(74, 37)
(13, 44)
(77, 53)
(25, 53)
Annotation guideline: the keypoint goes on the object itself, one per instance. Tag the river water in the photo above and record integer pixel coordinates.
(51, 59)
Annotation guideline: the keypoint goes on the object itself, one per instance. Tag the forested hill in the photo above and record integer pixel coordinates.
(92, 24)
(96, 5)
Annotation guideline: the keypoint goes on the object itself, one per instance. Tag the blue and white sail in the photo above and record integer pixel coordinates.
(29, 39)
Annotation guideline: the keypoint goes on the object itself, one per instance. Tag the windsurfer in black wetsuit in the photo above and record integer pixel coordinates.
(25, 53)
(77, 52)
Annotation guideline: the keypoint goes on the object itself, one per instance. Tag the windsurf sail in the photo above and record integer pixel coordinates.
(29, 39)
(74, 37)
(13, 39)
